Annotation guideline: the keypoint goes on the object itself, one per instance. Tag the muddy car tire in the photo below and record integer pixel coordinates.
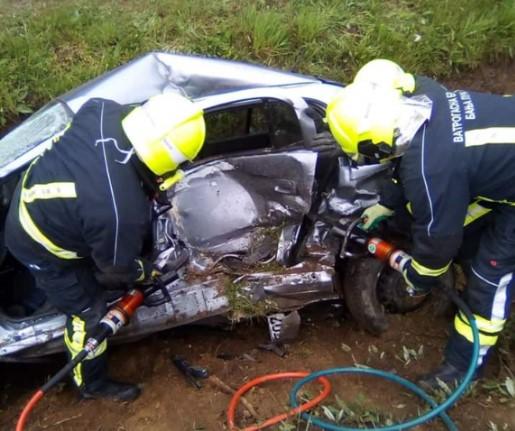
(371, 290)
(391, 291)
(360, 281)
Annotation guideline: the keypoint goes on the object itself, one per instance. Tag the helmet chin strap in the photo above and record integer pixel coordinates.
(373, 151)
(147, 177)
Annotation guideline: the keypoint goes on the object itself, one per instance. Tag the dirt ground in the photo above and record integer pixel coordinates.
(171, 403)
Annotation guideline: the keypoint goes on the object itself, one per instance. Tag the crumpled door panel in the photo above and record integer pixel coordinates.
(218, 205)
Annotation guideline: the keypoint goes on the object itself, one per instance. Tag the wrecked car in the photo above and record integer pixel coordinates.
(257, 226)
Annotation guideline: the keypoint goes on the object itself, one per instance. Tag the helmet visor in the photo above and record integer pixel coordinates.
(414, 112)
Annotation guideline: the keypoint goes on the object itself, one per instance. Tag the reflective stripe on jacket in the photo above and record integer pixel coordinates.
(44, 191)
(83, 197)
(464, 154)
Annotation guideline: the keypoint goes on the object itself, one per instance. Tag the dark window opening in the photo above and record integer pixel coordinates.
(266, 125)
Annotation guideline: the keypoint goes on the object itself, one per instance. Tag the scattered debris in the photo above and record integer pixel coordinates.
(192, 373)
(372, 349)
(504, 389)
(357, 413)
(276, 348)
(225, 388)
(62, 421)
(227, 356)
(409, 355)
(345, 347)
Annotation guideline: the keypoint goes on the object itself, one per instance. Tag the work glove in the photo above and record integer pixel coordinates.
(417, 285)
(373, 215)
(141, 271)
(146, 272)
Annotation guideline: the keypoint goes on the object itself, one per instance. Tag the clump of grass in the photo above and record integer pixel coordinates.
(506, 345)
(241, 302)
(265, 32)
(504, 389)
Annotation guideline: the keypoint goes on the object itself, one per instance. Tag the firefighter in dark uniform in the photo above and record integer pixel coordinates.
(81, 212)
(458, 158)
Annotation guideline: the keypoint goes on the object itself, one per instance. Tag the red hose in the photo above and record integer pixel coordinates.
(233, 404)
(20, 425)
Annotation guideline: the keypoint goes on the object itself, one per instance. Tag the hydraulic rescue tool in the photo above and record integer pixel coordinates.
(119, 315)
(377, 247)
(388, 253)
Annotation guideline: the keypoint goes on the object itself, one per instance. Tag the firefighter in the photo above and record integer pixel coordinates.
(81, 212)
(454, 158)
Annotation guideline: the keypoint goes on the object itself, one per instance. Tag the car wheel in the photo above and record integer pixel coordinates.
(360, 282)
(391, 291)
(371, 289)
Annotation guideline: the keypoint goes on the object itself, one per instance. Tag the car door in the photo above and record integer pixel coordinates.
(254, 174)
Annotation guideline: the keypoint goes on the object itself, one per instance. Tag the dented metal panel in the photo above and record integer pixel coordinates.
(197, 77)
(192, 75)
(16, 336)
(189, 302)
(216, 207)
(358, 187)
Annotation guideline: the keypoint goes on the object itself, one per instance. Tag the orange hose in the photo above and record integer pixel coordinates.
(20, 425)
(233, 404)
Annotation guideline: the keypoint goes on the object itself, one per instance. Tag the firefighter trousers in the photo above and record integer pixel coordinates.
(71, 287)
(488, 291)
(74, 291)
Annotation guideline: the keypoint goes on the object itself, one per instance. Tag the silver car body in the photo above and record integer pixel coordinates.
(235, 215)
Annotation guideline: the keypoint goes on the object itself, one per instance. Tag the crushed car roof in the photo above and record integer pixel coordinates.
(195, 76)
(198, 77)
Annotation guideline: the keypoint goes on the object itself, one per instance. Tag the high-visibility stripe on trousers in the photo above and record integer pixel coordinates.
(488, 291)
(75, 338)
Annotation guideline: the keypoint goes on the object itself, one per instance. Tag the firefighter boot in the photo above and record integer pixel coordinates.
(93, 382)
(97, 384)
(110, 389)
(445, 376)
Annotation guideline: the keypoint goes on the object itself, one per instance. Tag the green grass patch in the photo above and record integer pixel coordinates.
(359, 413)
(242, 305)
(47, 48)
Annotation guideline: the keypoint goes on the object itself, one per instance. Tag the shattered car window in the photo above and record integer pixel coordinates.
(41, 126)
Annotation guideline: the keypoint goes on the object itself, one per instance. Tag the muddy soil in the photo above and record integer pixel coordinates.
(171, 403)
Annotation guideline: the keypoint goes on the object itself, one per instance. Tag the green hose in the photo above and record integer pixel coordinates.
(437, 410)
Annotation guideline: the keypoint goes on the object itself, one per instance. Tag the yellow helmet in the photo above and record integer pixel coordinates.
(386, 73)
(363, 117)
(165, 131)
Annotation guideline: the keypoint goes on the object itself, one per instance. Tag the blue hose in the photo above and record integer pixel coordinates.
(437, 410)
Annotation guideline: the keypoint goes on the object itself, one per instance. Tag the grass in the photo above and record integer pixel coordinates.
(241, 302)
(360, 413)
(507, 343)
(49, 47)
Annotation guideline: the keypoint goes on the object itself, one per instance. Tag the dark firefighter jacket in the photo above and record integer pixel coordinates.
(464, 154)
(84, 198)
